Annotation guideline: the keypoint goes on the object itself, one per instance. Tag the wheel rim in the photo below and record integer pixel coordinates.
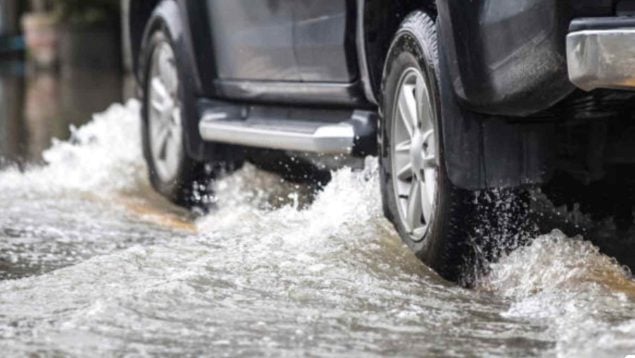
(166, 138)
(414, 154)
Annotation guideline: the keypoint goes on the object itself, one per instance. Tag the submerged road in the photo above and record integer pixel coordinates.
(92, 262)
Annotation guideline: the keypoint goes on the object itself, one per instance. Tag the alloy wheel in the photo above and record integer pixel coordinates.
(166, 139)
(414, 154)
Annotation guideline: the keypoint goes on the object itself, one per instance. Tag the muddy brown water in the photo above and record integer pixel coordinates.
(93, 263)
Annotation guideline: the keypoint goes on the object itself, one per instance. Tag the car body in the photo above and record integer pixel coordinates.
(523, 89)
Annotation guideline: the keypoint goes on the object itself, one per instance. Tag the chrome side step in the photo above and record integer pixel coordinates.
(331, 136)
(601, 53)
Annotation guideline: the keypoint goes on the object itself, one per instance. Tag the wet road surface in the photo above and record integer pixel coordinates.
(92, 262)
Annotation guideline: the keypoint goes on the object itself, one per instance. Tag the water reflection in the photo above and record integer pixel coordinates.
(37, 106)
(11, 107)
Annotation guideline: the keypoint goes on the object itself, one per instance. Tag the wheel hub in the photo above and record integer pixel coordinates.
(165, 113)
(414, 154)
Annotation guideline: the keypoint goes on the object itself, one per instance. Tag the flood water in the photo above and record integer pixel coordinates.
(93, 263)
(37, 106)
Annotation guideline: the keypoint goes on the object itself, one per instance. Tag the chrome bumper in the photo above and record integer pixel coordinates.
(602, 58)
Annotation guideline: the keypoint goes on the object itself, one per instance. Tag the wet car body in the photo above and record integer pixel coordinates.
(308, 77)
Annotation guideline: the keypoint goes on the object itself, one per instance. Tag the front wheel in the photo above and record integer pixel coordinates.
(427, 210)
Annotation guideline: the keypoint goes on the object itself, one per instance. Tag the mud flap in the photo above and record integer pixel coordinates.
(486, 151)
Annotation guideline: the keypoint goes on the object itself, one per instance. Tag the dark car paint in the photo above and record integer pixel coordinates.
(298, 93)
(326, 30)
(253, 40)
(486, 82)
(493, 53)
(260, 57)
(508, 57)
(485, 151)
(299, 41)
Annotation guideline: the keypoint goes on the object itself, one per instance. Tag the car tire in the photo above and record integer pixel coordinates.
(168, 102)
(410, 157)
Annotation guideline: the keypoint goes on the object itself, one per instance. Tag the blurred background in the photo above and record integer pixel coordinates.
(60, 61)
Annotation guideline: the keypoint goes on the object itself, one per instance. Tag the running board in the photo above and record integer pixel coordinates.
(317, 131)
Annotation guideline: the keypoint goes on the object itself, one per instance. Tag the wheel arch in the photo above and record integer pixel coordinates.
(172, 15)
(481, 151)
(139, 13)
(376, 31)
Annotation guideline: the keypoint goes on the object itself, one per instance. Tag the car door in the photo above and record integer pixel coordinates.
(253, 39)
(324, 38)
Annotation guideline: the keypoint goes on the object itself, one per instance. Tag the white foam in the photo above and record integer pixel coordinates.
(351, 201)
(335, 263)
(583, 297)
(102, 156)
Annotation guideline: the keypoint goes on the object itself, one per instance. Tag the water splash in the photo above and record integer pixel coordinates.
(277, 269)
(101, 156)
(586, 299)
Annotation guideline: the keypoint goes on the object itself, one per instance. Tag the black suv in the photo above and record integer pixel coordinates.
(453, 96)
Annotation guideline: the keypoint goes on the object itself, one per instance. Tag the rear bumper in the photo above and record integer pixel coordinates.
(602, 53)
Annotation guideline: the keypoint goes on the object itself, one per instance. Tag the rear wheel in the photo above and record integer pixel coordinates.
(427, 210)
(168, 103)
